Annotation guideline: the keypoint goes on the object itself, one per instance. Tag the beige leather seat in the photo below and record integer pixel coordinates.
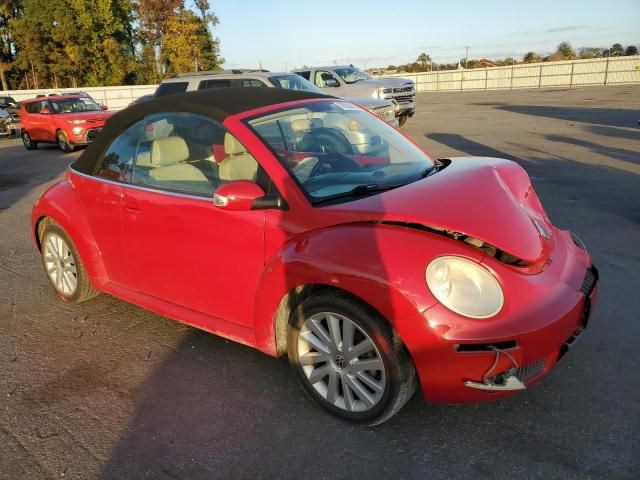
(240, 164)
(167, 157)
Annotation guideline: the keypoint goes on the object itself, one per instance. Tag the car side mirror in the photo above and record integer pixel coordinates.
(104, 107)
(331, 82)
(238, 195)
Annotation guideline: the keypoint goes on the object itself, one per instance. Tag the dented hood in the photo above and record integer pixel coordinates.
(487, 198)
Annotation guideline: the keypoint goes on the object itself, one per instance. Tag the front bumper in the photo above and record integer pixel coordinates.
(458, 360)
(85, 138)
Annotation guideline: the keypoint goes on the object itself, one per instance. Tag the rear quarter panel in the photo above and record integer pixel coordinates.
(59, 203)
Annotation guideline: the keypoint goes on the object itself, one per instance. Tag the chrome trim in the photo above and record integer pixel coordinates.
(144, 189)
(511, 383)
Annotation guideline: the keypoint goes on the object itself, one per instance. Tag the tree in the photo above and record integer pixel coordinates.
(188, 44)
(565, 50)
(531, 57)
(423, 60)
(631, 50)
(589, 52)
(9, 10)
(616, 50)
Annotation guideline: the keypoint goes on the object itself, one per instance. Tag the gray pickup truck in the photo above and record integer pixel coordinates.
(349, 81)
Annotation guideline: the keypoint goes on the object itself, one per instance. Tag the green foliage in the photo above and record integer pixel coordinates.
(566, 51)
(616, 50)
(631, 50)
(70, 43)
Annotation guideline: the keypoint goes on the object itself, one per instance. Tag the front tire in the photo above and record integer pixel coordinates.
(349, 359)
(402, 119)
(63, 142)
(63, 265)
(29, 144)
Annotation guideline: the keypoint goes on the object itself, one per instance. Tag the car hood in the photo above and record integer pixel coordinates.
(369, 103)
(487, 198)
(385, 82)
(97, 117)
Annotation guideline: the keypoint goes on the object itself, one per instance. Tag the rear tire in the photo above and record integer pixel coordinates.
(331, 337)
(63, 265)
(29, 144)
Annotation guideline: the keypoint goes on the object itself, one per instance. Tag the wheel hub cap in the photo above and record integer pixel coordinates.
(60, 264)
(341, 362)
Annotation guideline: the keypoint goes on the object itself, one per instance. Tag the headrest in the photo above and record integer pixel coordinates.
(167, 150)
(232, 146)
(304, 124)
(300, 125)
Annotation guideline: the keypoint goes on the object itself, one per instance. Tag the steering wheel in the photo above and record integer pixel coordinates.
(339, 162)
(325, 140)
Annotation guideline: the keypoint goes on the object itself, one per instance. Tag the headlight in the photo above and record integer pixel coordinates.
(76, 130)
(465, 287)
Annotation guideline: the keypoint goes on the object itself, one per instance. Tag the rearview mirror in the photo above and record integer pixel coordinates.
(237, 195)
(331, 82)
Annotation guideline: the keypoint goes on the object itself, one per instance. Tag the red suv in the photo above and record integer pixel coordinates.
(69, 121)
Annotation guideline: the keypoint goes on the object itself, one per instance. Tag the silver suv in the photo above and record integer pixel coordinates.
(187, 82)
(349, 81)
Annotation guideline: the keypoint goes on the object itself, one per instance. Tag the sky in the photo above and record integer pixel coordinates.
(284, 34)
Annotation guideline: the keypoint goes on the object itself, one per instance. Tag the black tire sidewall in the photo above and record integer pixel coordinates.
(379, 331)
(63, 144)
(82, 276)
(32, 145)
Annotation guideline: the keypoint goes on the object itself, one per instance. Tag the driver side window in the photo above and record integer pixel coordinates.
(321, 77)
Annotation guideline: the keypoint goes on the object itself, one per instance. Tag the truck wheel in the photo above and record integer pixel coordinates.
(402, 119)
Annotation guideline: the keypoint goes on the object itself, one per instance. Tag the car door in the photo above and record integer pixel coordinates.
(48, 119)
(101, 197)
(180, 247)
(33, 121)
(321, 76)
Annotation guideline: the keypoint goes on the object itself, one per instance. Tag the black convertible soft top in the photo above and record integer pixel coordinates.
(217, 104)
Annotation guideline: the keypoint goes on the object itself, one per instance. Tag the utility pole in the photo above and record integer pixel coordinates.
(466, 58)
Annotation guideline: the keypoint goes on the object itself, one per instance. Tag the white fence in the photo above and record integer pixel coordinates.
(572, 73)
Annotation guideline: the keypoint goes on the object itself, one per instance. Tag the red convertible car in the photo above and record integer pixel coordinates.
(248, 213)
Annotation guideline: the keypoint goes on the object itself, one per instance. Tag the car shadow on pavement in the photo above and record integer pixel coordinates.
(28, 169)
(613, 117)
(631, 156)
(215, 409)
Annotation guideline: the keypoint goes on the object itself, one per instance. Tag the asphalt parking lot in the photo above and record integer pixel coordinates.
(108, 390)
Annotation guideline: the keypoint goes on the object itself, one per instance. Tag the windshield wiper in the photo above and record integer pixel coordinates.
(360, 190)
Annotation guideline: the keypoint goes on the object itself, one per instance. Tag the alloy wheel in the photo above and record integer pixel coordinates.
(60, 265)
(341, 362)
(63, 143)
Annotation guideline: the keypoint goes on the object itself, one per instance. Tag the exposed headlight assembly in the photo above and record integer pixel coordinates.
(464, 286)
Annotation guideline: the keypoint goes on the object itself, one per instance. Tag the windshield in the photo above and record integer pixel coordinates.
(74, 105)
(352, 74)
(337, 152)
(294, 82)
